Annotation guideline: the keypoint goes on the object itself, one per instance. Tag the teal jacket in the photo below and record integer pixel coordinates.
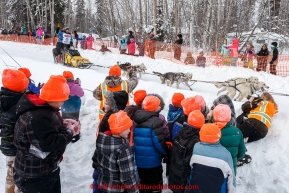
(224, 50)
(232, 140)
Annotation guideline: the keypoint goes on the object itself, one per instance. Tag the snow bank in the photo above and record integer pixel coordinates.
(268, 172)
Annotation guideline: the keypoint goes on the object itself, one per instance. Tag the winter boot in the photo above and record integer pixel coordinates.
(59, 58)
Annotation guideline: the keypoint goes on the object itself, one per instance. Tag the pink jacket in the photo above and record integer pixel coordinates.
(39, 32)
(234, 48)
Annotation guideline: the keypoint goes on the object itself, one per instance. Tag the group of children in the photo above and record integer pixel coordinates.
(201, 147)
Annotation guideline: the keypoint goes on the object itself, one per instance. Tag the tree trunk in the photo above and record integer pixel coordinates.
(46, 24)
(155, 16)
(68, 13)
(140, 15)
(192, 25)
(31, 15)
(146, 12)
(207, 26)
(52, 19)
(177, 17)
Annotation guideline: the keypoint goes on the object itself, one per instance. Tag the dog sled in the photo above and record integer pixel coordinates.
(72, 58)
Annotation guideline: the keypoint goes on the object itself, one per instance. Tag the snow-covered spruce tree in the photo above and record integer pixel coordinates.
(80, 16)
(161, 32)
(16, 13)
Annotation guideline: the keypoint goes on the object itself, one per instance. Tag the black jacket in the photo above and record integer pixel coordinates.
(179, 41)
(103, 125)
(41, 126)
(178, 125)
(8, 101)
(263, 52)
(275, 55)
(181, 155)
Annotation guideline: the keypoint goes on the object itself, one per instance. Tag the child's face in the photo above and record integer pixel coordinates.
(56, 105)
(158, 109)
(106, 106)
(248, 46)
(225, 41)
(124, 134)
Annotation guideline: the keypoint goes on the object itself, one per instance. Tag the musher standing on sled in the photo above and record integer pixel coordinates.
(64, 41)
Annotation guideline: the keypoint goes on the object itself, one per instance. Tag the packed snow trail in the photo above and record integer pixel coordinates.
(267, 173)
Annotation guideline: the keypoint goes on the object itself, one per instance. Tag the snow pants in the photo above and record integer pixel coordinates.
(9, 185)
(151, 177)
(44, 184)
(250, 131)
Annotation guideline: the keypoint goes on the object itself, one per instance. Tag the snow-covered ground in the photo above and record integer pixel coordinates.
(269, 170)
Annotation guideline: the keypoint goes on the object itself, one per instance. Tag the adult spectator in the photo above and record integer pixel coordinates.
(131, 43)
(274, 61)
(177, 47)
(262, 58)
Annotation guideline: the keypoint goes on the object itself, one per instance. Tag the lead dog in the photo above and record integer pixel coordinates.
(171, 77)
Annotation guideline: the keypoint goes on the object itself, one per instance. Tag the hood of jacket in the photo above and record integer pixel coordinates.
(142, 115)
(9, 98)
(107, 144)
(117, 100)
(130, 110)
(113, 81)
(188, 132)
(29, 102)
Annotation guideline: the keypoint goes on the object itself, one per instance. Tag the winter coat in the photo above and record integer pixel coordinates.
(113, 159)
(39, 32)
(224, 99)
(40, 137)
(224, 50)
(275, 56)
(173, 114)
(73, 104)
(178, 125)
(180, 41)
(212, 169)
(33, 33)
(117, 101)
(65, 38)
(123, 44)
(23, 30)
(201, 60)
(181, 154)
(89, 41)
(263, 52)
(250, 53)
(234, 48)
(131, 44)
(8, 101)
(149, 139)
(32, 88)
(130, 110)
(4, 32)
(232, 140)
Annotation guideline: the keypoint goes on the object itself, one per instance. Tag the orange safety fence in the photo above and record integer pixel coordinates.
(175, 53)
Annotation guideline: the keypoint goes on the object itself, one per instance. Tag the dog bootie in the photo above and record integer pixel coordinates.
(243, 161)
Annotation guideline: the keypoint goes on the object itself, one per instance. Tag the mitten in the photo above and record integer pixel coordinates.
(77, 81)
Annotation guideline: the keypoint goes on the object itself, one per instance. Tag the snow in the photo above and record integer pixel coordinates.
(267, 173)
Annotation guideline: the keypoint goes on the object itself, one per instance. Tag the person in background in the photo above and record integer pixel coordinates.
(150, 46)
(113, 158)
(234, 48)
(89, 41)
(14, 83)
(262, 58)
(131, 43)
(64, 41)
(41, 137)
(211, 164)
(76, 36)
(123, 45)
(70, 109)
(140, 40)
(31, 86)
(189, 59)
(225, 52)
(178, 47)
(273, 63)
(201, 60)
(39, 33)
(249, 52)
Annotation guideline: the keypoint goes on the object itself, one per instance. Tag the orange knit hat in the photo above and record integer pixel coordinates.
(55, 90)
(26, 71)
(115, 71)
(200, 100)
(139, 96)
(119, 122)
(151, 103)
(14, 80)
(177, 99)
(196, 119)
(68, 75)
(210, 133)
(189, 105)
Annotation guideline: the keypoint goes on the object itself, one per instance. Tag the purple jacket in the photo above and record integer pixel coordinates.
(73, 104)
(165, 126)
(75, 89)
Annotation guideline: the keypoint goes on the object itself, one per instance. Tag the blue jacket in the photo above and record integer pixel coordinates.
(72, 105)
(62, 35)
(178, 125)
(123, 44)
(174, 113)
(33, 88)
(149, 139)
(210, 163)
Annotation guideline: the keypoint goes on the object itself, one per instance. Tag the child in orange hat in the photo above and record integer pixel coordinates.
(149, 142)
(182, 149)
(204, 108)
(114, 157)
(14, 85)
(31, 85)
(211, 164)
(189, 105)
(40, 129)
(175, 109)
(139, 96)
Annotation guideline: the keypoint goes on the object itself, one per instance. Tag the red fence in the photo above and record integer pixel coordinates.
(167, 51)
